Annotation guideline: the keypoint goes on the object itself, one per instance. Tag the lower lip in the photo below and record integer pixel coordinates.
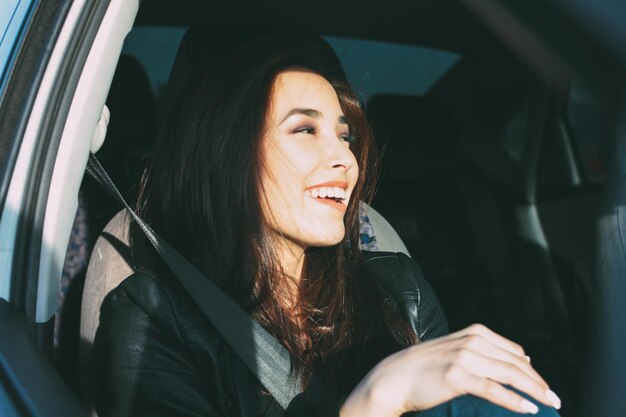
(332, 203)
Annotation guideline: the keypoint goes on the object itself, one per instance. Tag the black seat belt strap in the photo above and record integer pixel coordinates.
(268, 360)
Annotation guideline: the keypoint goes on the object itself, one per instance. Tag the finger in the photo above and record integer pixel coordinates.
(496, 339)
(482, 340)
(504, 373)
(489, 390)
(497, 394)
(485, 348)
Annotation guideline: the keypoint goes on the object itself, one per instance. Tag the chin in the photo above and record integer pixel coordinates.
(327, 240)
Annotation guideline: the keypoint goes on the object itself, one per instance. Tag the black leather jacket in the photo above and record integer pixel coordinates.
(155, 354)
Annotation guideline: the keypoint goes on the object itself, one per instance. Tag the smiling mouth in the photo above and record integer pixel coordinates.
(332, 196)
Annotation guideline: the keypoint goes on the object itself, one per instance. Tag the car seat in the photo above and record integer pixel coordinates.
(606, 380)
(424, 195)
(502, 112)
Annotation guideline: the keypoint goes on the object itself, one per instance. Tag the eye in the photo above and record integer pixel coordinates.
(348, 138)
(305, 129)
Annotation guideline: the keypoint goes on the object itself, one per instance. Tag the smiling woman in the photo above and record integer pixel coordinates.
(256, 181)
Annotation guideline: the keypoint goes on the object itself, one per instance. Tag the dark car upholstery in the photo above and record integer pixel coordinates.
(424, 195)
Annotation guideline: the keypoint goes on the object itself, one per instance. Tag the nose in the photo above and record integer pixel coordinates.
(340, 156)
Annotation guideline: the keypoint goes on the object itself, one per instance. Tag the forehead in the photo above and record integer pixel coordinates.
(303, 89)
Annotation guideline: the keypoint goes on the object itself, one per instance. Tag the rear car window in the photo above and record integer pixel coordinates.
(372, 67)
(386, 68)
(155, 48)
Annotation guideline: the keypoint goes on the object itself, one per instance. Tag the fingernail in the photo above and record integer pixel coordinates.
(554, 399)
(528, 358)
(530, 407)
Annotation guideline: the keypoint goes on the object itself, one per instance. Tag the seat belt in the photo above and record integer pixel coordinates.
(266, 358)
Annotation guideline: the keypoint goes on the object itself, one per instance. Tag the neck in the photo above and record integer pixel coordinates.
(291, 259)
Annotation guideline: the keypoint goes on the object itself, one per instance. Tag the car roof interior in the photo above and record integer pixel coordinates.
(446, 24)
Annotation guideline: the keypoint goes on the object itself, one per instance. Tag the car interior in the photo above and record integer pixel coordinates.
(494, 166)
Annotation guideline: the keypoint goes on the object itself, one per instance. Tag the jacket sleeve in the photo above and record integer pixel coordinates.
(140, 366)
(432, 322)
(401, 278)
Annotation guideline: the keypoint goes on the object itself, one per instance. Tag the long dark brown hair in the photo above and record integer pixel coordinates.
(201, 192)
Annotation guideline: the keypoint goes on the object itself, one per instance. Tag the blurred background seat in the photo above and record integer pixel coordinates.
(423, 194)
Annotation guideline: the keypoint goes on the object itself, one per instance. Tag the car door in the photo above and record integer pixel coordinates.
(57, 59)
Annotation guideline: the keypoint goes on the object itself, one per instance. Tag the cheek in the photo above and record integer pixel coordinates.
(355, 171)
(286, 169)
(353, 174)
(283, 176)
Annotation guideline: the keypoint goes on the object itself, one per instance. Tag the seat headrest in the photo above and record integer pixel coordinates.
(418, 136)
(133, 124)
(204, 47)
(133, 108)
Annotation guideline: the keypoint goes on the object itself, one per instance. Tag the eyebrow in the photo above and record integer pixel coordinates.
(312, 113)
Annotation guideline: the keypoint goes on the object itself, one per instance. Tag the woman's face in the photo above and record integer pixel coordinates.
(309, 170)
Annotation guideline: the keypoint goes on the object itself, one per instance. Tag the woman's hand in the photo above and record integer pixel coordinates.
(474, 361)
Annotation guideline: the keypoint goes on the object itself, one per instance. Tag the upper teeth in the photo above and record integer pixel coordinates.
(327, 192)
